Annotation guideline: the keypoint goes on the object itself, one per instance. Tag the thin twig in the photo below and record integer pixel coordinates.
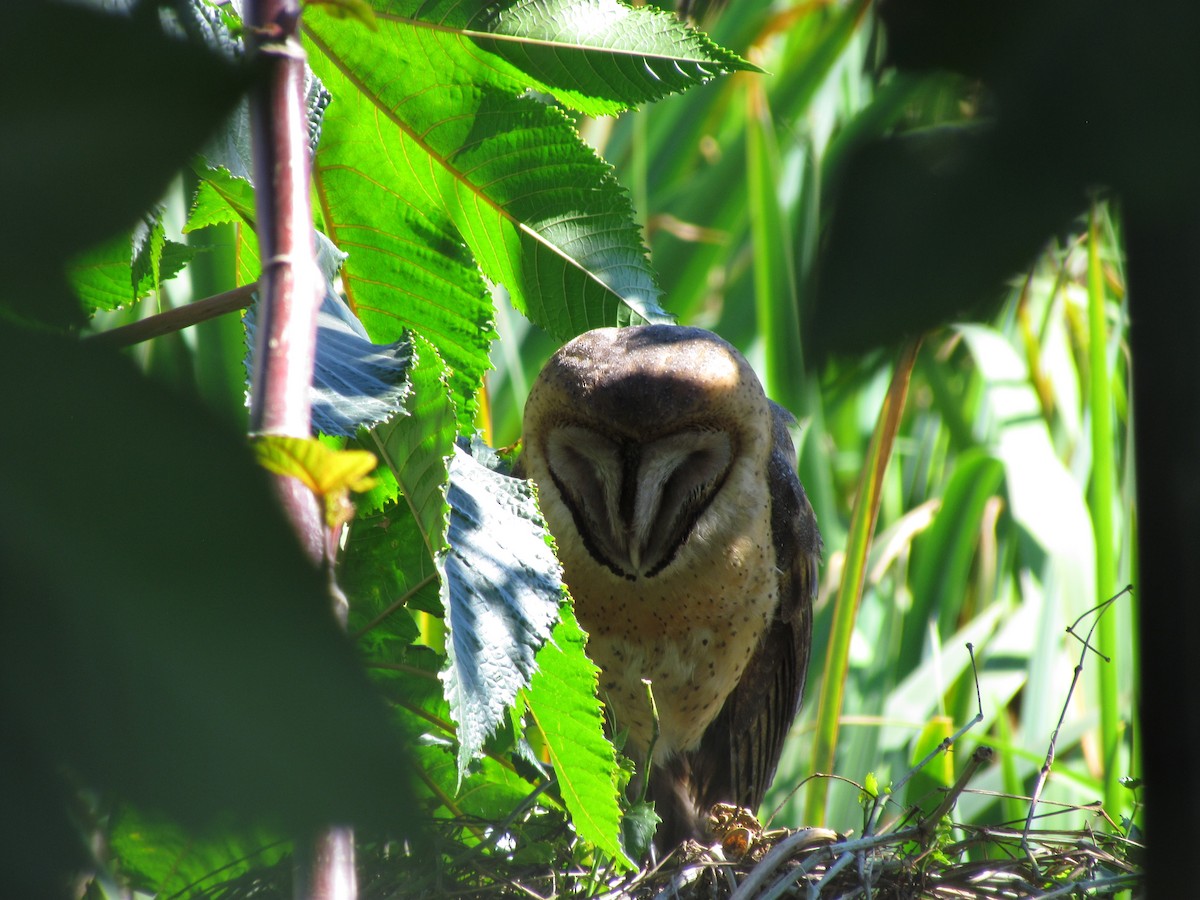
(883, 798)
(176, 319)
(1044, 773)
(782, 851)
(402, 600)
(928, 824)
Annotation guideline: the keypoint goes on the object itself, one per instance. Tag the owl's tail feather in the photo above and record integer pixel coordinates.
(674, 795)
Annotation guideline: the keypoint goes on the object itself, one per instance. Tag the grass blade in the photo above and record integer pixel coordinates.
(862, 526)
(1102, 500)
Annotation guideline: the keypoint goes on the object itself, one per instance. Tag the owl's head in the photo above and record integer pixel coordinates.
(632, 433)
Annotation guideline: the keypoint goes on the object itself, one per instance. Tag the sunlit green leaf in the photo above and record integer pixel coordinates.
(466, 173)
(597, 56)
(562, 701)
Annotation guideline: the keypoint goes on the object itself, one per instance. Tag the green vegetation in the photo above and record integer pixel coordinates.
(972, 474)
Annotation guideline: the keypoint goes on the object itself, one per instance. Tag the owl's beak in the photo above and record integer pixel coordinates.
(634, 550)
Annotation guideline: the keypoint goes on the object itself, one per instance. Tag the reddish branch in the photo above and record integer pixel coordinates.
(290, 294)
(290, 284)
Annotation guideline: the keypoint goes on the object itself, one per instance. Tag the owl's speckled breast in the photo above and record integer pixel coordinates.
(691, 631)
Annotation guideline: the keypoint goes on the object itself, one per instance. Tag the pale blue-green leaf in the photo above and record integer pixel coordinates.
(355, 382)
(501, 587)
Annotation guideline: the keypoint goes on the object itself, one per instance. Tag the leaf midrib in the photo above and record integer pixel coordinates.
(337, 61)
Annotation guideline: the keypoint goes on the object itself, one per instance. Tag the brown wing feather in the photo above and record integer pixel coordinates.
(739, 752)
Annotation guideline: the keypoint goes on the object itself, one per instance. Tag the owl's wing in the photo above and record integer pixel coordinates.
(739, 752)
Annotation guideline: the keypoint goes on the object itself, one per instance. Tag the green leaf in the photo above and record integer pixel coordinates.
(638, 828)
(222, 199)
(464, 174)
(358, 10)
(597, 56)
(141, 99)
(159, 857)
(501, 587)
(225, 199)
(408, 268)
(1045, 500)
(102, 276)
(385, 571)
(415, 449)
(490, 792)
(562, 700)
(774, 264)
(149, 239)
(107, 276)
(944, 553)
(198, 669)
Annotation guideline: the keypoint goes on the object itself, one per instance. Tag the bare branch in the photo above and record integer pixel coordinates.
(176, 319)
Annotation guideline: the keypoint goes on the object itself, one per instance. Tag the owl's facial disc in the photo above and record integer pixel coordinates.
(635, 504)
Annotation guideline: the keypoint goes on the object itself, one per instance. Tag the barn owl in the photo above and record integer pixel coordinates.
(668, 481)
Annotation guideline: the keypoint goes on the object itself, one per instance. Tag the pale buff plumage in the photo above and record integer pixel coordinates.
(667, 479)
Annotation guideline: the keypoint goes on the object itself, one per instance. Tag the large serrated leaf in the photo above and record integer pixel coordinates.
(408, 268)
(437, 145)
(501, 587)
(562, 700)
(597, 56)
